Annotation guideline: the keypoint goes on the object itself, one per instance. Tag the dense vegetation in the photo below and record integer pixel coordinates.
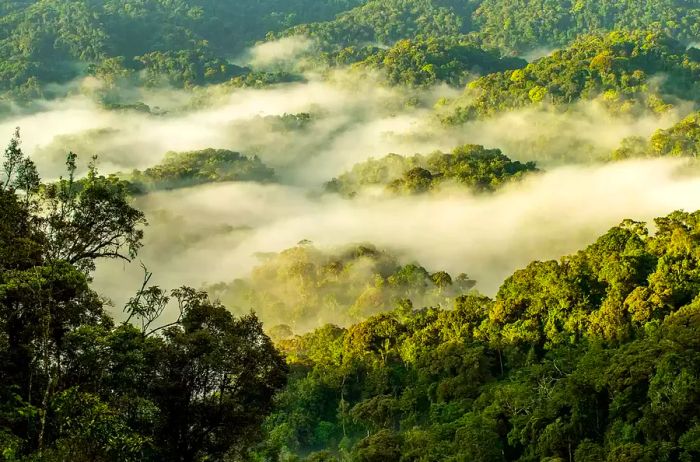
(351, 353)
(591, 358)
(680, 140)
(509, 25)
(424, 62)
(625, 71)
(180, 42)
(471, 166)
(304, 287)
(78, 386)
(183, 169)
(387, 21)
(189, 42)
(521, 26)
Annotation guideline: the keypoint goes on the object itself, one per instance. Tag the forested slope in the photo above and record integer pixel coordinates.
(473, 167)
(76, 385)
(625, 71)
(189, 42)
(181, 42)
(511, 26)
(590, 358)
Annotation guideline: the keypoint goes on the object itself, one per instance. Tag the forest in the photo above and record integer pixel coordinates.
(350, 230)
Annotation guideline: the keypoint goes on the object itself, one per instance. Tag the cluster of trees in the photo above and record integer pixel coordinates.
(185, 68)
(521, 26)
(184, 169)
(512, 26)
(183, 42)
(78, 386)
(188, 42)
(472, 166)
(619, 69)
(594, 357)
(426, 61)
(680, 140)
(260, 79)
(303, 287)
(591, 358)
(387, 21)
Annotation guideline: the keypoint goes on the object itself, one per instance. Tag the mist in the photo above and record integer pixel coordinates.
(214, 233)
(352, 119)
(283, 53)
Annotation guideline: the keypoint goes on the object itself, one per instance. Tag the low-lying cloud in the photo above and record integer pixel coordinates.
(213, 233)
(351, 120)
(277, 54)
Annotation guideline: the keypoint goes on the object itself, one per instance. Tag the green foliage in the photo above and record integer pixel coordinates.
(424, 62)
(186, 68)
(185, 42)
(511, 26)
(680, 140)
(264, 79)
(592, 358)
(471, 166)
(520, 26)
(387, 21)
(305, 287)
(89, 218)
(75, 386)
(183, 169)
(619, 70)
(181, 42)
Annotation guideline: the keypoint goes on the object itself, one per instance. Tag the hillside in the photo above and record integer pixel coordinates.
(303, 287)
(591, 358)
(425, 62)
(522, 26)
(626, 71)
(473, 167)
(184, 169)
(180, 42)
(680, 140)
(514, 27)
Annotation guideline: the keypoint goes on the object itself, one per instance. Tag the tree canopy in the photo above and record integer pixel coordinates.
(304, 286)
(591, 358)
(183, 169)
(618, 69)
(471, 166)
(78, 386)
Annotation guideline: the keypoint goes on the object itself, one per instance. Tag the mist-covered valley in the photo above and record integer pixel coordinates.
(312, 131)
(349, 230)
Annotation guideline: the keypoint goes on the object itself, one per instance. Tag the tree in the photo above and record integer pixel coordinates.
(90, 218)
(379, 447)
(77, 387)
(217, 376)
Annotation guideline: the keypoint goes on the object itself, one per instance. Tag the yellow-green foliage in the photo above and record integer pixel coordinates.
(625, 71)
(680, 140)
(304, 287)
(570, 358)
(471, 166)
(182, 169)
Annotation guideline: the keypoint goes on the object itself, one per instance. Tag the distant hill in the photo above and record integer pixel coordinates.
(470, 166)
(183, 169)
(183, 41)
(624, 70)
